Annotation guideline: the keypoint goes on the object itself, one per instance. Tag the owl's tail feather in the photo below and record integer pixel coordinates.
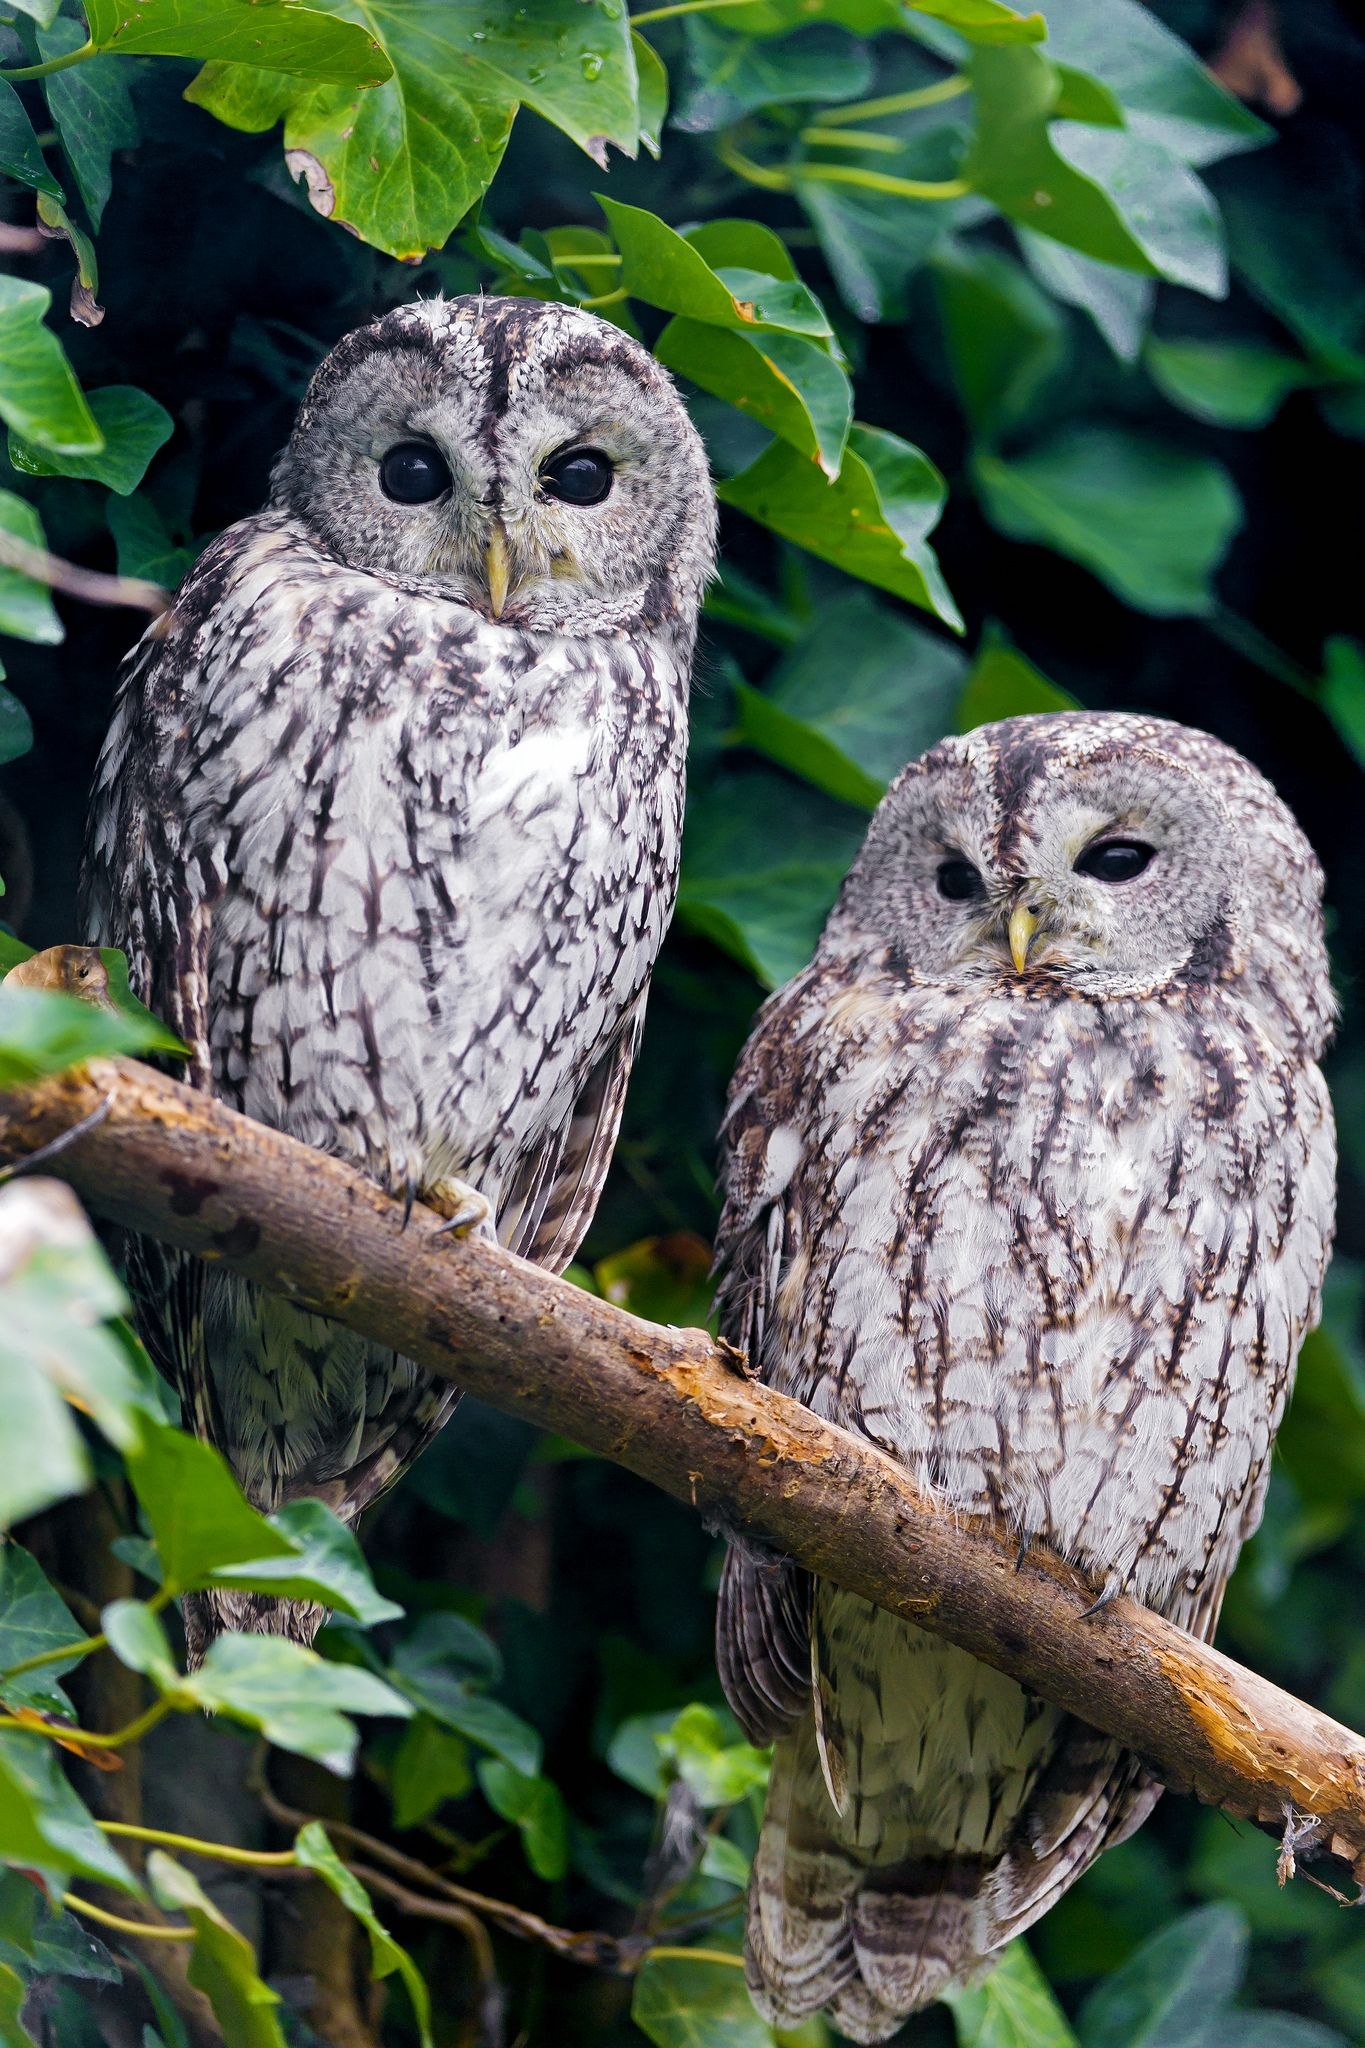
(210, 1615)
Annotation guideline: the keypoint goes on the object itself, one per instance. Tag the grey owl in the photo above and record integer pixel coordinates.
(1029, 1181)
(388, 823)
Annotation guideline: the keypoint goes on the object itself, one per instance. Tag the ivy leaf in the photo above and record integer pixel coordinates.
(327, 1564)
(133, 425)
(763, 861)
(873, 521)
(1342, 693)
(16, 728)
(43, 1825)
(441, 122)
(861, 693)
(653, 93)
(1166, 93)
(34, 1622)
(284, 36)
(728, 75)
(199, 1518)
(26, 609)
(1014, 2008)
(39, 395)
(92, 112)
(13, 1992)
(42, 1032)
(535, 1808)
(430, 1766)
(40, 1940)
(1119, 302)
(1227, 383)
(666, 269)
(222, 1964)
(716, 1766)
(1005, 338)
(786, 383)
(315, 1852)
(20, 156)
(297, 1700)
(697, 2002)
(1004, 684)
(1176, 1982)
(143, 543)
(1151, 521)
(1104, 191)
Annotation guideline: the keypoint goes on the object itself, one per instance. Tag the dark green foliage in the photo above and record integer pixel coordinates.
(1032, 368)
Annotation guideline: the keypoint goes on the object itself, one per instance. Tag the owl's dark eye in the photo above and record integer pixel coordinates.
(1115, 860)
(581, 476)
(413, 473)
(959, 881)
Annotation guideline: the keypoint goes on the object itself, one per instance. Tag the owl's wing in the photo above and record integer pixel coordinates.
(545, 1213)
(763, 1618)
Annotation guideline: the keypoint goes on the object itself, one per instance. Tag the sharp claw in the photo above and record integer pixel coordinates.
(1025, 1538)
(1111, 1589)
(409, 1199)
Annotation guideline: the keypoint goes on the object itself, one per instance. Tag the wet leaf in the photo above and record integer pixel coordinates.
(283, 35)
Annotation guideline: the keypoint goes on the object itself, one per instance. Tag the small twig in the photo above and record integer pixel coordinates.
(448, 1914)
(20, 241)
(50, 1151)
(896, 102)
(191, 1845)
(91, 586)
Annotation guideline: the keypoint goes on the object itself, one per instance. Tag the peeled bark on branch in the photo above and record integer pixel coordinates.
(677, 1407)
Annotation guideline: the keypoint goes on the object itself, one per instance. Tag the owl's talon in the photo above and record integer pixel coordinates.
(466, 1209)
(1025, 1538)
(1110, 1590)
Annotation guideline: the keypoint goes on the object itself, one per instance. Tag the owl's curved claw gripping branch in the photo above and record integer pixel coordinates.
(670, 1405)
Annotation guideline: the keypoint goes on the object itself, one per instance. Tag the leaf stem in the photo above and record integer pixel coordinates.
(52, 64)
(600, 261)
(896, 102)
(881, 181)
(697, 1955)
(605, 299)
(762, 175)
(85, 1738)
(141, 1930)
(683, 7)
(84, 1646)
(223, 1852)
(851, 138)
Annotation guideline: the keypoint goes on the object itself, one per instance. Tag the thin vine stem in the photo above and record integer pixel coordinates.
(851, 138)
(191, 1845)
(882, 181)
(140, 1930)
(762, 175)
(53, 64)
(606, 299)
(683, 7)
(697, 1955)
(896, 102)
(86, 1738)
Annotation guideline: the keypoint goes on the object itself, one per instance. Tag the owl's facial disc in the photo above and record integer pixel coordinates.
(528, 461)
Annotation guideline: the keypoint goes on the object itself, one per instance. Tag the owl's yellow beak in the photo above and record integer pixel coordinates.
(498, 567)
(1023, 926)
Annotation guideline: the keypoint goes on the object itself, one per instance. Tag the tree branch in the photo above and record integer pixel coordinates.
(676, 1407)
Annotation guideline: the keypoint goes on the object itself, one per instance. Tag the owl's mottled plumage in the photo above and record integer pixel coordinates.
(394, 847)
(1051, 1238)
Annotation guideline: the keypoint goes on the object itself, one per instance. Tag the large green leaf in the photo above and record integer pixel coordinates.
(1342, 693)
(315, 1852)
(1166, 93)
(20, 156)
(1004, 684)
(874, 521)
(535, 1809)
(861, 694)
(717, 1767)
(432, 1670)
(26, 608)
(297, 1700)
(34, 1622)
(39, 395)
(697, 2002)
(222, 1965)
(1013, 2008)
(440, 125)
(1005, 338)
(431, 1765)
(729, 75)
(40, 1940)
(92, 112)
(283, 35)
(762, 863)
(786, 383)
(198, 1516)
(1118, 301)
(43, 1825)
(1173, 1984)
(1103, 190)
(133, 425)
(1228, 383)
(43, 1032)
(1152, 522)
(665, 269)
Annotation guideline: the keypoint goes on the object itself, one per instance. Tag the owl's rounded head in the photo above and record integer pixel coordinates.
(529, 460)
(1092, 854)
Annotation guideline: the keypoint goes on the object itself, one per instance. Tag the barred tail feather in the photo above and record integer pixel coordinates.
(210, 1615)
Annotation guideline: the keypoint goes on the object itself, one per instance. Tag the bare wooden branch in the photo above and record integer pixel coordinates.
(677, 1408)
(91, 586)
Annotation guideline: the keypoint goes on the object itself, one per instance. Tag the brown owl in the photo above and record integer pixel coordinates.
(1030, 1182)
